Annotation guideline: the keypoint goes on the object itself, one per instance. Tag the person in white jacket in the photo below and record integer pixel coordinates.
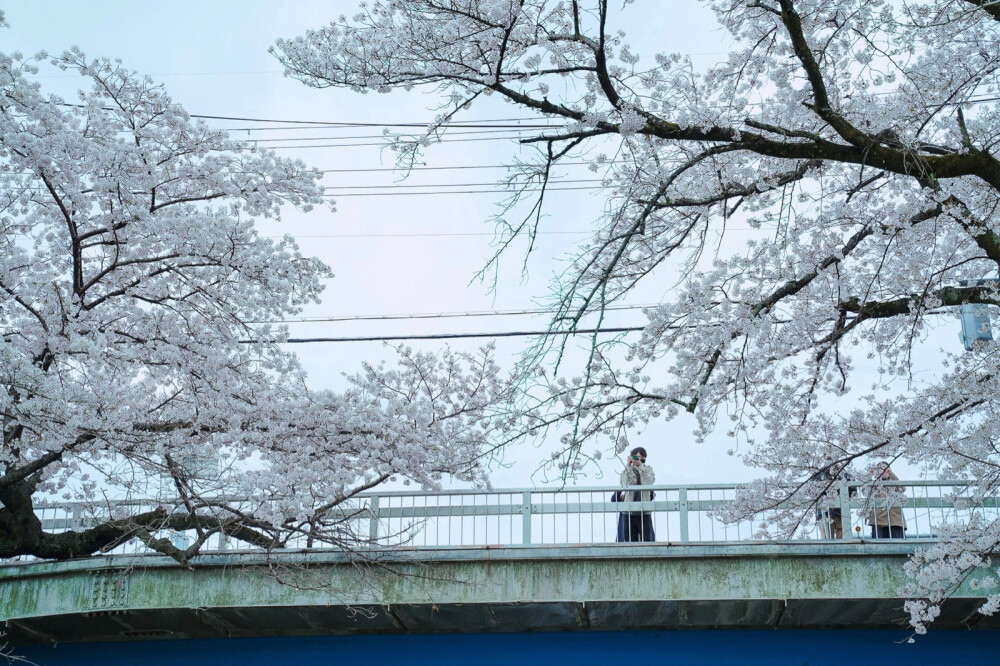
(636, 525)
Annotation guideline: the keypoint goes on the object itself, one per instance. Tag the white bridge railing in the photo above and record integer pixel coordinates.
(680, 514)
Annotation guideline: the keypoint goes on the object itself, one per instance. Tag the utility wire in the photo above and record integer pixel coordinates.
(498, 334)
(434, 234)
(440, 315)
(461, 167)
(334, 123)
(433, 142)
(457, 132)
(458, 125)
(492, 184)
(314, 123)
(451, 336)
(404, 194)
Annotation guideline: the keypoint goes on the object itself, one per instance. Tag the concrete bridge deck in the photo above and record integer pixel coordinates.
(507, 578)
(763, 585)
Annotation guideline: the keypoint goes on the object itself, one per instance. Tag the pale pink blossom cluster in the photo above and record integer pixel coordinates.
(809, 207)
(133, 360)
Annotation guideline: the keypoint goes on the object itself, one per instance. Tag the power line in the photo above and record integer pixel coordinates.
(460, 167)
(319, 124)
(492, 184)
(449, 234)
(334, 123)
(430, 235)
(469, 123)
(383, 143)
(459, 132)
(440, 315)
(452, 336)
(494, 191)
(470, 127)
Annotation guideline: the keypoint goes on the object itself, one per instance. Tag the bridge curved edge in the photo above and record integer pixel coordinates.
(651, 586)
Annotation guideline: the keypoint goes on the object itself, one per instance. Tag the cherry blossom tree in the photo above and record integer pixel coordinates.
(855, 139)
(140, 376)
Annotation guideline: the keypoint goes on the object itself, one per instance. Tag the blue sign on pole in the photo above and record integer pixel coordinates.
(975, 324)
(975, 318)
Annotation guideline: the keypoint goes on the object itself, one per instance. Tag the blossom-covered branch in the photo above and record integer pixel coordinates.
(131, 279)
(822, 193)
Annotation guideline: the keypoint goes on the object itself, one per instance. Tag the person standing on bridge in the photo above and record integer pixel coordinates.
(886, 520)
(636, 525)
(828, 511)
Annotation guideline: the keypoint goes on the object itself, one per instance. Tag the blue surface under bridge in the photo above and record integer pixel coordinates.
(508, 577)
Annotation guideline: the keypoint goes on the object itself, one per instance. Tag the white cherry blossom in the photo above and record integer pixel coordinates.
(858, 140)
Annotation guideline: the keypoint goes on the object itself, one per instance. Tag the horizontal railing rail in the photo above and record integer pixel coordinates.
(532, 516)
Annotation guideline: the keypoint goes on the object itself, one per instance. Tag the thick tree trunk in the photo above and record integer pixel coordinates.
(20, 528)
(21, 531)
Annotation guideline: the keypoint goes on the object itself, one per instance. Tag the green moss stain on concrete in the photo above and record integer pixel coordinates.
(308, 580)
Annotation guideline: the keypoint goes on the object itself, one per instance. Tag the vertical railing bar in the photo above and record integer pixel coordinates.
(606, 519)
(555, 497)
(510, 519)
(566, 517)
(549, 535)
(701, 518)
(391, 526)
(711, 523)
(930, 511)
(502, 517)
(682, 508)
(925, 513)
(845, 512)
(579, 518)
(423, 521)
(666, 517)
(725, 525)
(437, 520)
(549, 531)
(373, 521)
(543, 532)
(391, 530)
(451, 517)
(526, 518)
(396, 526)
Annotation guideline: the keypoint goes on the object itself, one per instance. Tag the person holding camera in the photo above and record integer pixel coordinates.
(636, 525)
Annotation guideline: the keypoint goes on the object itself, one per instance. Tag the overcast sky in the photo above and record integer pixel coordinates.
(393, 251)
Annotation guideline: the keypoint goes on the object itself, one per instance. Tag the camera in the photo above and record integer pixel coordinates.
(636, 457)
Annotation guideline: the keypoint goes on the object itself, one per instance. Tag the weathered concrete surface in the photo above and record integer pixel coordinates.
(647, 586)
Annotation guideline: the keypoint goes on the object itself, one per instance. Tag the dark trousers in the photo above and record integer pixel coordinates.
(635, 526)
(887, 532)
